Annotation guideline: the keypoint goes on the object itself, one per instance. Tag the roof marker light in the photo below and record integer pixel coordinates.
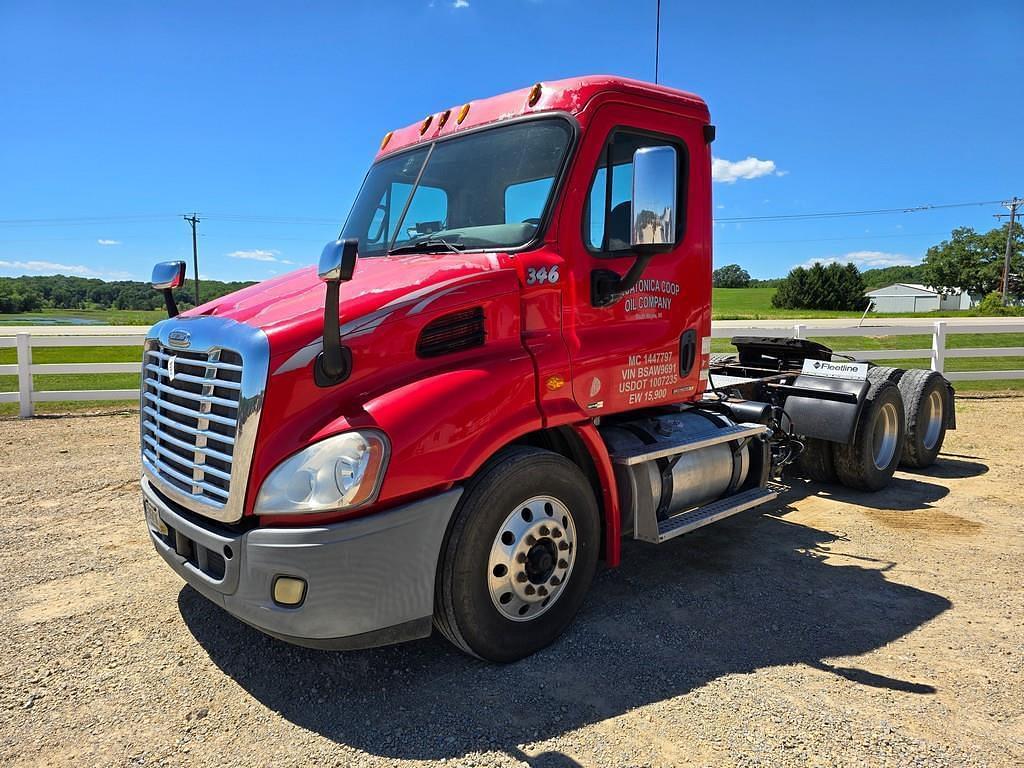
(443, 119)
(462, 114)
(386, 139)
(534, 95)
(425, 124)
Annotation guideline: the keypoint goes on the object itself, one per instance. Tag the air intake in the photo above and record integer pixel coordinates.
(452, 333)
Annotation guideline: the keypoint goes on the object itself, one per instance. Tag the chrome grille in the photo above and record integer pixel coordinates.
(190, 418)
(200, 407)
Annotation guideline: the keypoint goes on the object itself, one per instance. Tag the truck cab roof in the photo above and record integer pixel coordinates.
(571, 96)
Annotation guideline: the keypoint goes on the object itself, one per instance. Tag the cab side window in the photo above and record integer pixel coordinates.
(608, 211)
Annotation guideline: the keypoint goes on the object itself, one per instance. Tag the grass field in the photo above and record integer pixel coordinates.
(756, 304)
(727, 304)
(85, 317)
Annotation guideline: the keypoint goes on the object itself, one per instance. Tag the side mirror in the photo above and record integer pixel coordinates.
(653, 227)
(337, 264)
(168, 275)
(338, 260)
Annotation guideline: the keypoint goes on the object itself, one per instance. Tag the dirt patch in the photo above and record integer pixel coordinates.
(833, 628)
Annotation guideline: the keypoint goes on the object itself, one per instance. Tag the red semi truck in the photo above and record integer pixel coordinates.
(500, 369)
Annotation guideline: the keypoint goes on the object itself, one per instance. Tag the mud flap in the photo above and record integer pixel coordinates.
(825, 408)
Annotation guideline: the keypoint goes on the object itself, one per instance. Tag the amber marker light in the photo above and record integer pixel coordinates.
(534, 95)
(462, 114)
(425, 124)
(443, 119)
(386, 139)
(555, 383)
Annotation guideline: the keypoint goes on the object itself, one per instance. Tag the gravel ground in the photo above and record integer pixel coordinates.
(833, 629)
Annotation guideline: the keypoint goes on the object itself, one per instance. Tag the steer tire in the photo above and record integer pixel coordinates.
(815, 461)
(868, 461)
(925, 400)
(519, 489)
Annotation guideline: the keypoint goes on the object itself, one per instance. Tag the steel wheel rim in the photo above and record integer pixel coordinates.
(884, 436)
(523, 584)
(933, 417)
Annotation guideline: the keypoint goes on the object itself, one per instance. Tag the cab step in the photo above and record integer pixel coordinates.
(696, 518)
(692, 442)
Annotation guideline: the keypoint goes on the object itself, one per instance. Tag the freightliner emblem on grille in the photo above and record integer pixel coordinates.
(179, 338)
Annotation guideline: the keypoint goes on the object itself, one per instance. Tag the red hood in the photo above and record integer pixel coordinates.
(290, 308)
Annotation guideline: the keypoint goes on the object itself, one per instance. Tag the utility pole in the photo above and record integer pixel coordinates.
(194, 221)
(657, 41)
(1013, 204)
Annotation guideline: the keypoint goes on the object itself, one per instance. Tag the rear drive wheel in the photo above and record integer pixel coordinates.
(519, 556)
(869, 460)
(885, 372)
(925, 397)
(815, 462)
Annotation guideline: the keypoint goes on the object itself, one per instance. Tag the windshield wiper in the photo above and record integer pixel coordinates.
(427, 245)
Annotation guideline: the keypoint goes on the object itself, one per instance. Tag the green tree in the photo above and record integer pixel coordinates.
(973, 261)
(832, 287)
(730, 276)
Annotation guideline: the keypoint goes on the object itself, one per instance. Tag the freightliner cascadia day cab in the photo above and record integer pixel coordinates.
(500, 369)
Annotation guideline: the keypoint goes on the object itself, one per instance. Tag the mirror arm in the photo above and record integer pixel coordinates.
(606, 287)
(172, 307)
(333, 364)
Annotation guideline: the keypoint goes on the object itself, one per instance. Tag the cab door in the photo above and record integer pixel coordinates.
(650, 346)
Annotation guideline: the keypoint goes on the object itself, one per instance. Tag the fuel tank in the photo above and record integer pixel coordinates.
(682, 481)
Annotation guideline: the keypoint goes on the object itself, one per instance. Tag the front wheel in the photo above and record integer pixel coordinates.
(519, 556)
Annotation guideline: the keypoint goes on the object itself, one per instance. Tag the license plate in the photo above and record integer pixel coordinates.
(153, 517)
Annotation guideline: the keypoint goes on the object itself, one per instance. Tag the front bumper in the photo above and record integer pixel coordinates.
(370, 581)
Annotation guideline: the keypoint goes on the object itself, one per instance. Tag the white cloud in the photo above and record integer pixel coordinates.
(256, 255)
(866, 260)
(729, 172)
(460, 4)
(55, 268)
(104, 241)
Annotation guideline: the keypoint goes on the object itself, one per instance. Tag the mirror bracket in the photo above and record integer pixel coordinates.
(607, 287)
(337, 265)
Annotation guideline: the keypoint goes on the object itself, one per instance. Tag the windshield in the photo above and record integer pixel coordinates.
(488, 189)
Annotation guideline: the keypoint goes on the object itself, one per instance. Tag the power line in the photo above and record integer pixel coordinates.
(844, 214)
(829, 239)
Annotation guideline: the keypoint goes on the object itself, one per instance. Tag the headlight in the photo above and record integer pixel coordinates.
(341, 472)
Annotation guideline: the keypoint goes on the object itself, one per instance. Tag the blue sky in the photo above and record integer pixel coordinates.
(264, 116)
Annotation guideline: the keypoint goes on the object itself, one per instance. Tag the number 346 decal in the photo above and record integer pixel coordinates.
(543, 275)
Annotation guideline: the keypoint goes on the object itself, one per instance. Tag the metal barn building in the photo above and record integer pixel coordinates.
(913, 297)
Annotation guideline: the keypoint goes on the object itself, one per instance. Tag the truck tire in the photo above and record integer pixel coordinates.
(885, 372)
(925, 398)
(815, 461)
(868, 461)
(519, 555)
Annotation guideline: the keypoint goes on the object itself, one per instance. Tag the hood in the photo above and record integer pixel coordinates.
(290, 308)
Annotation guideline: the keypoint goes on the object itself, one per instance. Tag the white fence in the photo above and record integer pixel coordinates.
(26, 396)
